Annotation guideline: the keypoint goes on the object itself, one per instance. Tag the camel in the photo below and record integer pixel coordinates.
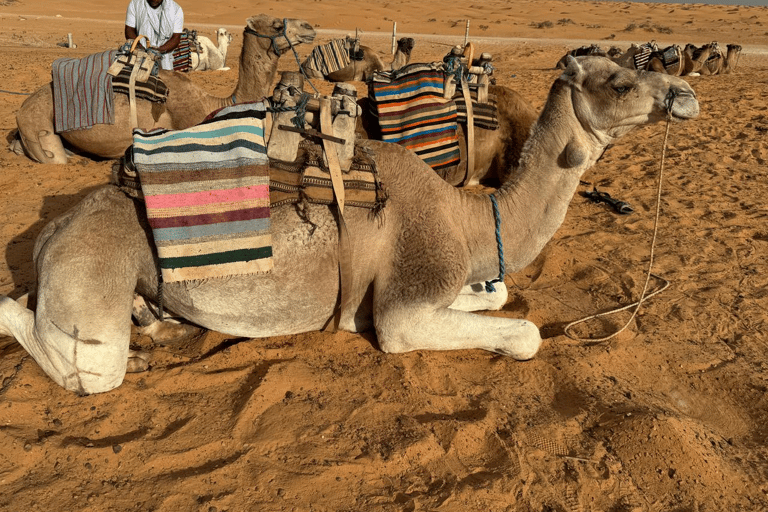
(714, 64)
(212, 57)
(731, 58)
(417, 265)
(265, 39)
(695, 58)
(658, 59)
(364, 69)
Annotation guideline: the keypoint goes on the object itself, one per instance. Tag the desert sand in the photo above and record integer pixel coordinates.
(670, 415)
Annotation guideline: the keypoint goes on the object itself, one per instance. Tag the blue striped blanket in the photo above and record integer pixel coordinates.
(82, 92)
(206, 191)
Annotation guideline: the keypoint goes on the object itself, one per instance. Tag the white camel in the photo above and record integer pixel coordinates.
(212, 57)
(417, 266)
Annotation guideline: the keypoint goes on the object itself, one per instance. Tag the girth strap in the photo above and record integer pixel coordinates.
(345, 257)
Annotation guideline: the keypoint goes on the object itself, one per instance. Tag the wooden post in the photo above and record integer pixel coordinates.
(394, 37)
(466, 34)
(69, 41)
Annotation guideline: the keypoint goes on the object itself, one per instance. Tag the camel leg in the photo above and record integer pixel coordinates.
(473, 297)
(36, 132)
(167, 331)
(403, 329)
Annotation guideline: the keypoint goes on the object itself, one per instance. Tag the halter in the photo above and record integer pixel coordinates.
(249, 30)
(489, 284)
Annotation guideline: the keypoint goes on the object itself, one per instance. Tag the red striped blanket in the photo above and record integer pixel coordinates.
(182, 57)
(206, 191)
(82, 92)
(412, 112)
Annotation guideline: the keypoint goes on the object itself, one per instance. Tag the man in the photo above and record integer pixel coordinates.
(162, 21)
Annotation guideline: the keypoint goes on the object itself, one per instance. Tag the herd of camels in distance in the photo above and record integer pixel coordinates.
(414, 274)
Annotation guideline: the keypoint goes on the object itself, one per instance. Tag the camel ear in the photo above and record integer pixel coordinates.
(572, 67)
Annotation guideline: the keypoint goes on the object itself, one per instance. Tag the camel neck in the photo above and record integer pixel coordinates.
(257, 73)
(534, 201)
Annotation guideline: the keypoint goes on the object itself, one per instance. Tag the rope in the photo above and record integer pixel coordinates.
(14, 92)
(489, 284)
(670, 99)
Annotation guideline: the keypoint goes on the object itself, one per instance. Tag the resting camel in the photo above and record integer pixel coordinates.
(695, 58)
(212, 57)
(418, 265)
(731, 58)
(656, 62)
(361, 70)
(265, 39)
(714, 64)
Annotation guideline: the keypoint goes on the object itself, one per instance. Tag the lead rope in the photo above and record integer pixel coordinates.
(643, 297)
(497, 217)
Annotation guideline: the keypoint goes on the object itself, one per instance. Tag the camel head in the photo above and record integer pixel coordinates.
(406, 44)
(281, 33)
(223, 34)
(734, 48)
(610, 100)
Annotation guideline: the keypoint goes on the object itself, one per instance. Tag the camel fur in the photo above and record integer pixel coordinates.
(187, 103)
(212, 57)
(418, 264)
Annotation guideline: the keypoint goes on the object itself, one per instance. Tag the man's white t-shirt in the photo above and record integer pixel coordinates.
(157, 24)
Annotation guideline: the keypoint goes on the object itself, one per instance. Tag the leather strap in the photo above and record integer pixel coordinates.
(132, 95)
(345, 258)
(470, 128)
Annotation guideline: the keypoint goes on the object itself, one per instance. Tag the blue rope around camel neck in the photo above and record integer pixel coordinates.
(489, 284)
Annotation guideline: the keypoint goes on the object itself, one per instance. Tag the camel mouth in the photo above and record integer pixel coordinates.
(682, 104)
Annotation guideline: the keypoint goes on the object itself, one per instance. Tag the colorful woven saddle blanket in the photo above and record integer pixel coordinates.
(485, 115)
(206, 191)
(82, 92)
(182, 55)
(330, 57)
(308, 179)
(413, 112)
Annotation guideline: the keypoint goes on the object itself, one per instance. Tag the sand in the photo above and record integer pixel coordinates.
(670, 415)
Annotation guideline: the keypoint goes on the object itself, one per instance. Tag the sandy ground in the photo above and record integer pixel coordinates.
(669, 416)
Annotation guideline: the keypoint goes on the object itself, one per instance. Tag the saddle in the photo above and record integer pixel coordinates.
(139, 67)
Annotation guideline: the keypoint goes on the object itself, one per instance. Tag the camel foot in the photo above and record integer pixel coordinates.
(138, 361)
(170, 332)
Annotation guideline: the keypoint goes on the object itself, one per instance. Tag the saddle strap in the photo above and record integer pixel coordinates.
(345, 257)
(132, 95)
(470, 128)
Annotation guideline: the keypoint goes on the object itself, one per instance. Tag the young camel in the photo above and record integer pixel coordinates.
(265, 39)
(212, 57)
(419, 264)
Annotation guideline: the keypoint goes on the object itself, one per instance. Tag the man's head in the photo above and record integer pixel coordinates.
(155, 3)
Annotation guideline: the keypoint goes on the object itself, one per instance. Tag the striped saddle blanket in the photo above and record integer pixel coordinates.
(330, 57)
(82, 92)
(412, 112)
(153, 89)
(206, 191)
(182, 55)
(485, 115)
(642, 57)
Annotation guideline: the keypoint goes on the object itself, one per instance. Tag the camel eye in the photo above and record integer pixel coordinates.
(621, 89)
